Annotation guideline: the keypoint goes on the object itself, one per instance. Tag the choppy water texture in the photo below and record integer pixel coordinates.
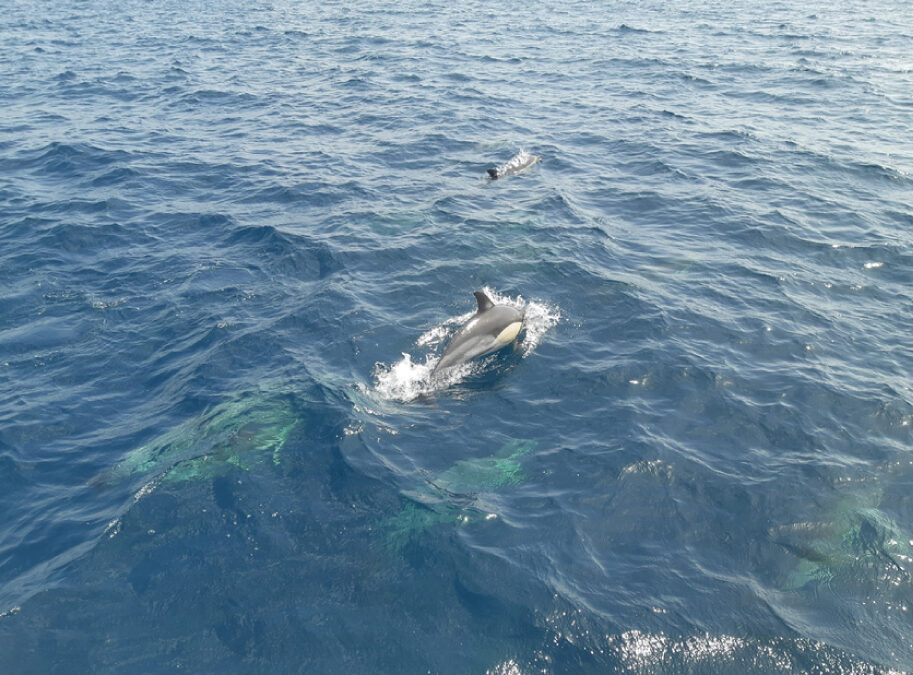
(236, 236)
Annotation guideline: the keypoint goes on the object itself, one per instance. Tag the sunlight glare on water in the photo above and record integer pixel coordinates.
(235, 239)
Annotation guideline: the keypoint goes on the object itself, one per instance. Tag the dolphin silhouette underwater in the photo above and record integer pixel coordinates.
(458, 495)
(854, 543)
(519, 162)
(239, 433)
(493, 327)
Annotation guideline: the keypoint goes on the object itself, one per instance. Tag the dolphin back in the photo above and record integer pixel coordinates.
(491, 328)
(519, 162)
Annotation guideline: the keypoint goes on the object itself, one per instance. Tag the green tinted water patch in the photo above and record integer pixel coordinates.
(240, 433)
(486, 473)
(453, 496)
(856, 542)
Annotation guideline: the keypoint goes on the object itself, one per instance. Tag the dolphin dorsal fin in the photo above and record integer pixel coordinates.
(485, 302)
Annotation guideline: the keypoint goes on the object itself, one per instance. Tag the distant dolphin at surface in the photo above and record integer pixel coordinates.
(519, 162)
(491, 328)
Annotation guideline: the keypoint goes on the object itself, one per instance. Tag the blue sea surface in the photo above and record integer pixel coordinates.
(235, 238)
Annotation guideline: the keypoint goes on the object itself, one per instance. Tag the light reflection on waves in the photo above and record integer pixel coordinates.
(654, 652)
(636, 651)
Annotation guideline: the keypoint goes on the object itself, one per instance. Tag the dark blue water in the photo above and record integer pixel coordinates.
(234, 238)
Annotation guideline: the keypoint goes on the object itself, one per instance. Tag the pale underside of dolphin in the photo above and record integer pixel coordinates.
(491, 328)
(519, 162)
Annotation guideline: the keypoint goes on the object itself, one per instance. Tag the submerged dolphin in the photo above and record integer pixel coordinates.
(238, 433)
(855, 542)
(491, 328)
(519, 162)
(458, 495)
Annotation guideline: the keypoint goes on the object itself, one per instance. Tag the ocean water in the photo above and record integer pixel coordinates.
(235, 237)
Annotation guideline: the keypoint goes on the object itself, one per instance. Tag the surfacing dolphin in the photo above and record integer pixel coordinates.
(491, 328)
(519, 162)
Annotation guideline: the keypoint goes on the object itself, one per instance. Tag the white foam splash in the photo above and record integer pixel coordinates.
(145, 490)
(404, 380)
(113, 528)
(10, 611)
(407, 380)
